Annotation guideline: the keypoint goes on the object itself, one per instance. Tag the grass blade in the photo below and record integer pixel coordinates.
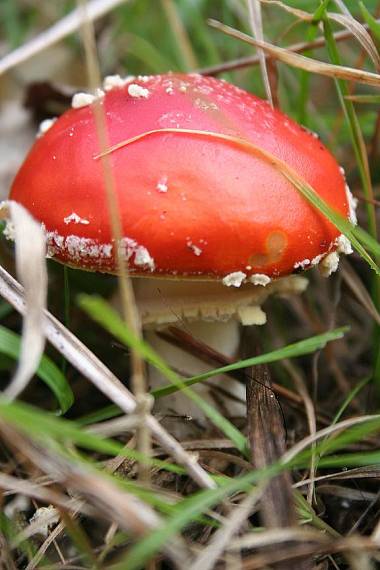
(373, 25)
(300, 348)
(10, 344)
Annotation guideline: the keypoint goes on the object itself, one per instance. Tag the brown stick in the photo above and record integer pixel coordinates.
(266, 434)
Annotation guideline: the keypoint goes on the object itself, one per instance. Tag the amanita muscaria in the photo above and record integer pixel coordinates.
(204, 204)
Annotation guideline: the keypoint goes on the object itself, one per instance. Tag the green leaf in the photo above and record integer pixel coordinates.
(48, 371)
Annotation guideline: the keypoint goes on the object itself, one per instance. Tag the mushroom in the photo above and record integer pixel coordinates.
(210, 226)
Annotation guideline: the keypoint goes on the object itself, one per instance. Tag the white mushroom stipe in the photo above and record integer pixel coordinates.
(251, 316)
(211, 313)
(223, 337)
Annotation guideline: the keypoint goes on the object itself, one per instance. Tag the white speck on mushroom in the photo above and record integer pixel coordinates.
(194, 248)
(45, 126)
(205, 105)
(317, 259)
(143, 257)
(352, 205)
(112, 81)
(162, 184)
(144, 78)
(77, 247)
(342, 171)
(137, 91)
(260, 279)
(99, 93)
(343, 245)
(75, 219)
(82, 100)
(54, 157)
(234, 279)
(329, 264)
(302, 264)
(169, 90)
(129, 247)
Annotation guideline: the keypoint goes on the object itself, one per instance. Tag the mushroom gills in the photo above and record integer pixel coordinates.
(166, 301)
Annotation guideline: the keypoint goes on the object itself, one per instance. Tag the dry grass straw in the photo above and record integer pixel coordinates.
(253, 60)
(301, 62)
(128, 304)
(110, 501)
(256, 22)
(356, 29)
(221, 540)
(31, 269)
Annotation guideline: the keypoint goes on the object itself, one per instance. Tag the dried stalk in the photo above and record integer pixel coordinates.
(301, 62)
(298, 47)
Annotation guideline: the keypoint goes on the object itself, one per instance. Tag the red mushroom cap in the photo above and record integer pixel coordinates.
(196, 204)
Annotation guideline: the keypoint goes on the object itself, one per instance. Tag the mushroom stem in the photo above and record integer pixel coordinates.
(210, 312)
(223, 336)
